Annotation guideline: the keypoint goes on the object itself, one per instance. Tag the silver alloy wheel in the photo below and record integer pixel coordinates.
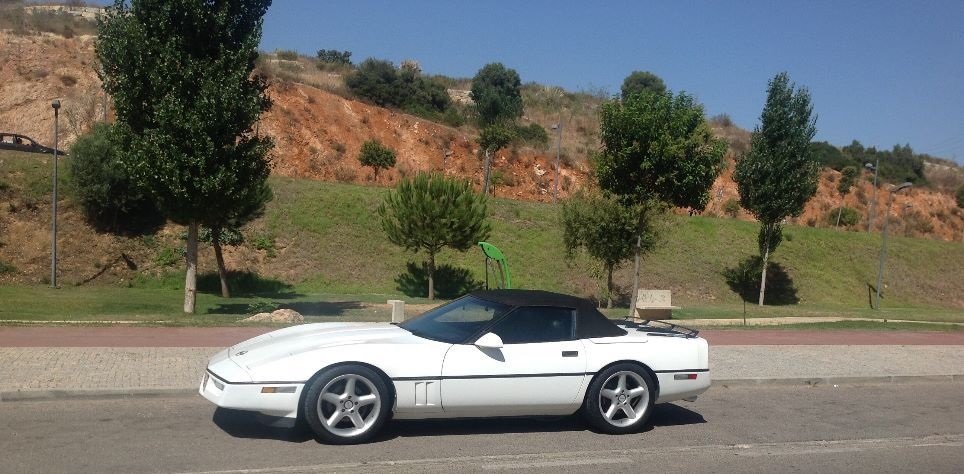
(623, 398)
(349, 405)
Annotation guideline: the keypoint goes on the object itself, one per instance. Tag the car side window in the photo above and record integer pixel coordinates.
(527, 325)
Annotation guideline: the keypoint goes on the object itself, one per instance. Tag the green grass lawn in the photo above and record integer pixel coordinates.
(330, 257)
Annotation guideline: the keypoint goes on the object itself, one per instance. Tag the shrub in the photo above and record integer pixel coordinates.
(960, 196)
(68, 80)
(6, 268)
(112, 201)
(848, 216)
(345, 173)
(286, 54)
(533, 134)
(333, 56)
(168, 256)
(376, 155)
(378, 81)
(731, 207)
(264, 242)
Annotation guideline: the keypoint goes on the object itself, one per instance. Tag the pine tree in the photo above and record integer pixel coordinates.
(432, 212)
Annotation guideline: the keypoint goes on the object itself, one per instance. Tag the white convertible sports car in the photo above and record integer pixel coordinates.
(490, 353)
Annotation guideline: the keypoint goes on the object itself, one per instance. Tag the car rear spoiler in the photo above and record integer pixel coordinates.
(656, 327)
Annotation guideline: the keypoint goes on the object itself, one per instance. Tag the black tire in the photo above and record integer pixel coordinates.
(319, 410)
(623, 401)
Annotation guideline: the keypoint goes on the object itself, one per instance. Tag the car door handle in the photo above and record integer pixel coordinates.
(570, 353)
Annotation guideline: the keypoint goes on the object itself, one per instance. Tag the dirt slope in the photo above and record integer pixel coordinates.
(318, 135)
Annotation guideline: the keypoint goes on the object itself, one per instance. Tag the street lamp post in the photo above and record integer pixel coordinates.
(53, 238)
(558, 128)
(883, 247)
(873, 203)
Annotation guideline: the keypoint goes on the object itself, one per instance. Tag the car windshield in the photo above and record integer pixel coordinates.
(457, 321)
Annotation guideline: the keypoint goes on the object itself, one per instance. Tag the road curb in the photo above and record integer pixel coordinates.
(94, 394)
(107, 394)
(820, 381)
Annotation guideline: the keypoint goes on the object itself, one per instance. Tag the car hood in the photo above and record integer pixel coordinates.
(297, 340)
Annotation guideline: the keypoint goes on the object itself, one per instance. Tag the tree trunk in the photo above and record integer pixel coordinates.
(766, 258)
(609, 286)
(839, 210)
(487, 168)
(222, 272)
(431, 276)
(632, 301)
(190, 280)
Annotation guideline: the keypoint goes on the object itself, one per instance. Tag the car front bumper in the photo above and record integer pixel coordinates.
(274, 399)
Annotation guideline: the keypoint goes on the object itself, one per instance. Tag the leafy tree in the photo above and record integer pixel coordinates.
(379, 82)
(847, 216)
(606, 229)
(333, 56)
(642, 81)
(493, 137)
(779, 174)
(431, 212)
(226, 229)
(657, 148)
(831, 156)
(497, 93)
(111, 200)
(847, 177)
(376, 155)
(180, 75)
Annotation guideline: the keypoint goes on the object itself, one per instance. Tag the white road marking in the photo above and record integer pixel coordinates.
(616, 456)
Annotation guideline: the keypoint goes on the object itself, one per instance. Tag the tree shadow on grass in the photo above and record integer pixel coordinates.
(305, 308)
(245, 284)
(744, 280)
(450, 281)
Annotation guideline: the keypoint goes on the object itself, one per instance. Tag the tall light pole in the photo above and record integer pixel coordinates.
(873, 203)
(53, 238)
(883, 248)
(558, 128)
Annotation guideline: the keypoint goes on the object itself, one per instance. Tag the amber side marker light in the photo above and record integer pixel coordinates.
(277, 390)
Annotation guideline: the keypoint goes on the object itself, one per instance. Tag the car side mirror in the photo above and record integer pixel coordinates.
(489, 341)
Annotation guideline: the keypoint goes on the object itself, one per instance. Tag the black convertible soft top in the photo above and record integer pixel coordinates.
(589, 321)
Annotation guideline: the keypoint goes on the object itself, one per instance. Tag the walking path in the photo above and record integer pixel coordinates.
(50, 362)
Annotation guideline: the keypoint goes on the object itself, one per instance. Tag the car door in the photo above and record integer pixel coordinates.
(539, 370)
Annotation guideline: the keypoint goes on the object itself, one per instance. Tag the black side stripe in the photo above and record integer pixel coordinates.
(494, 376)
(267, 382)
(678, 371)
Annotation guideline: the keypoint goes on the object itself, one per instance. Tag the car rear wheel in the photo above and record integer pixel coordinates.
(620, 399)
(347, 404)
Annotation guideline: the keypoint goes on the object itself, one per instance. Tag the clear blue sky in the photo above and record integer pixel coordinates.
(883, 72)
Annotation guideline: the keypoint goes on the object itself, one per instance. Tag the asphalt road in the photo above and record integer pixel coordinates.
(853, 429)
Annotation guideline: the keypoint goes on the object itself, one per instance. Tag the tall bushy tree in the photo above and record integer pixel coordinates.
(227, 230)
(657, 148)
(497, 93)
(432, 212)
(111, 200)
(179, 72)
(638, 82)
(607, 230)
(779, 174)
(847, 176)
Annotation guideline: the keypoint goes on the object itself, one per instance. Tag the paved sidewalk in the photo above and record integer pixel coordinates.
(67, 362)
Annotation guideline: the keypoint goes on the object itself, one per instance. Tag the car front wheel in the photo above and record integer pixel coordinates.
(620, 399)
(347, 404)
